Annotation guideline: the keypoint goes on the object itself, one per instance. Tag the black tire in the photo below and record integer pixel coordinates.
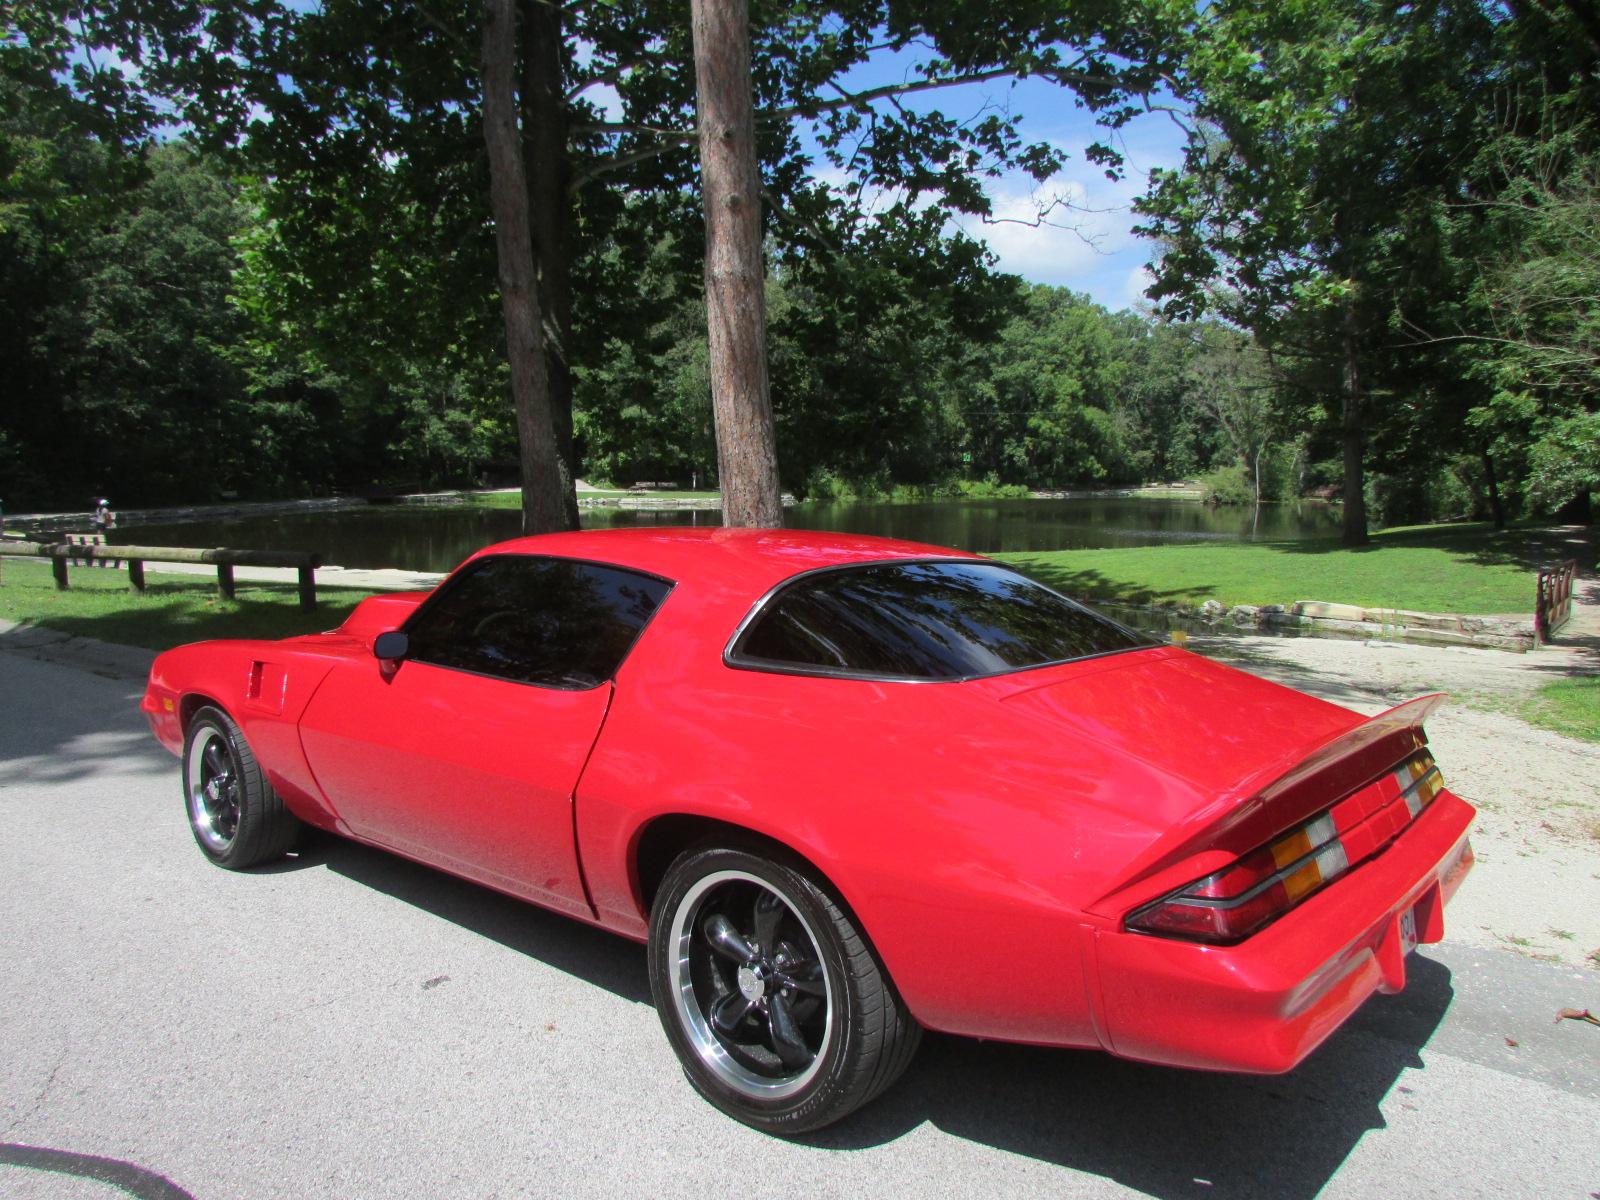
(843, 1034)
(237, 819)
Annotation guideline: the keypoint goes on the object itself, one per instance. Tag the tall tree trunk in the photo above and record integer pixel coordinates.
(544, 145)
(545, 483)
(747, 458)
(1496, 505)
(1354, 429)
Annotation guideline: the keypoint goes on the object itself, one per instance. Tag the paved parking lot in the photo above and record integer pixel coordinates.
(351, 1025)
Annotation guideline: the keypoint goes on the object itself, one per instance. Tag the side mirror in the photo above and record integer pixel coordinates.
(390, 647)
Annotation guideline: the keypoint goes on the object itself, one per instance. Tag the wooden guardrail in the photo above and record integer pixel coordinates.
(1554, 603)
(225, 560)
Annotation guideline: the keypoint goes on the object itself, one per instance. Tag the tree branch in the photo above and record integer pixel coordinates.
(864, 98)
(616, 162)
(608, 128)
(810, 227)
(450, 35)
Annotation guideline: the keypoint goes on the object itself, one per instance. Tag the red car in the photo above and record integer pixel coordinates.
(846, 789)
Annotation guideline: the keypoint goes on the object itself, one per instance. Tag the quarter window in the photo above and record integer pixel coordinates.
(923, 620)
(547, 621)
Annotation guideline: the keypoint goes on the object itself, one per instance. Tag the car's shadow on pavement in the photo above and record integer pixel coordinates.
(592, 954)
(1166, 1132)
(1169, 1133)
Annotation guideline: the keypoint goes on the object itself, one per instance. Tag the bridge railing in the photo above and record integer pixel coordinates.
(1554, 604)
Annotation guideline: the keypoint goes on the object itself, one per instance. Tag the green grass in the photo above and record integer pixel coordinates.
(514, 500)
(1569, 706)
(172, 610)
(1468, 568)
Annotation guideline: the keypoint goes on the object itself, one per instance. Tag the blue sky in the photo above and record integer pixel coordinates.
(1087, 244)
(1089, 247)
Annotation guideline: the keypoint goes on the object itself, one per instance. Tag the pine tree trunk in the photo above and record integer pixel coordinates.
(544, 481)
(549, 170)
(747, 460)
(1354, 429)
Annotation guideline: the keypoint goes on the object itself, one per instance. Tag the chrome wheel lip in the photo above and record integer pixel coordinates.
(207, 804)
(692, 1018)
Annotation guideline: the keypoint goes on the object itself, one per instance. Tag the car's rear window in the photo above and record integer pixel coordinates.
(922, 620)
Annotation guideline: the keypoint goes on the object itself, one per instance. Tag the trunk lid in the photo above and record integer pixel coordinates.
(1241, 758)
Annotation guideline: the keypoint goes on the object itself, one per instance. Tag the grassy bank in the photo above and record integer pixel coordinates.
(1569, 706)
(172, 610)
(514, 499)
(1450, 568)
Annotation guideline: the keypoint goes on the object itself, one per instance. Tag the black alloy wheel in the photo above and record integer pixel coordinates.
(238, 820)
(776, 1006)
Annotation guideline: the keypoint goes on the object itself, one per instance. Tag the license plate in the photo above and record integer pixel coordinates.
(1408, 931)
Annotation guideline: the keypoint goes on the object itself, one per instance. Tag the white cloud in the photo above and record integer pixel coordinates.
(1064, 232)
(1076, 229)
(1140, 278)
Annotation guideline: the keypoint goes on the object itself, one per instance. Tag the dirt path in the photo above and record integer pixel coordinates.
(1536, 888)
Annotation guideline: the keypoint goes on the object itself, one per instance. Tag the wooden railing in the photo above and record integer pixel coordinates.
(303, 562)
(1554, 603)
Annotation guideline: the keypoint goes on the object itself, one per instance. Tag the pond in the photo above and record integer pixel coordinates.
(437, 537)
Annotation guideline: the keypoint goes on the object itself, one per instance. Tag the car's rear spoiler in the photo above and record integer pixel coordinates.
(1288, 790)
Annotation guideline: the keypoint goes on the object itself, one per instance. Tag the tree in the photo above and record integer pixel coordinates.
(547, 481)
(1231, 383)
(1538, 297)
(1320, 133)
(747, 457)
(374, 105)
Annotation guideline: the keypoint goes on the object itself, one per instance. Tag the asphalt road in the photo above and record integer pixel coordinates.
(351, 1025)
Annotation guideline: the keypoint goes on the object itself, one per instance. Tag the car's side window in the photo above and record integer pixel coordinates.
(548, 621)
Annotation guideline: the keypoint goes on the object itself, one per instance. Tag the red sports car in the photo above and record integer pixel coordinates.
(846, 789)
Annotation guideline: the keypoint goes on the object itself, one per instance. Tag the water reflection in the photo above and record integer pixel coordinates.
(436, 538)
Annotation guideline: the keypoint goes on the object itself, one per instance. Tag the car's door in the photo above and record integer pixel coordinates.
(468, 753)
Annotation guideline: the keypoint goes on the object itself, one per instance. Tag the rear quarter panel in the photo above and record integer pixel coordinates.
(967, 838)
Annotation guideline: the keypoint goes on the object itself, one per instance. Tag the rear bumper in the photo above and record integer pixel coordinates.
(1264, 1005)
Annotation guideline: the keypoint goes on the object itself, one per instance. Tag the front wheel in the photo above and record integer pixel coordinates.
(769, 994)
(237, 819)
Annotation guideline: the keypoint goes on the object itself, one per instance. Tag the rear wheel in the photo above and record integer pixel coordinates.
(237, 819)
(775, 1005)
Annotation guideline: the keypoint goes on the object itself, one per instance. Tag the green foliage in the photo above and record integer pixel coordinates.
(990, 489)
(1564, 461)
(1229, 485)
(1408, 191)
(1441, 491)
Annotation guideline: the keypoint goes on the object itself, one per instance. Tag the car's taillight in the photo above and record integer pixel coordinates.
(1233, 903)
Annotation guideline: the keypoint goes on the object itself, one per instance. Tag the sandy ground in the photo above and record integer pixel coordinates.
(1536, 887)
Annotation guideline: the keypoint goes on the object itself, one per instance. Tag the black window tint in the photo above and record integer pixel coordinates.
(925, 621)
(536, 620)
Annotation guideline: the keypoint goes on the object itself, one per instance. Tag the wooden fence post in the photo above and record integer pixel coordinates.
(225, 580)
(136, 574)
(58, 568)
(308, 588)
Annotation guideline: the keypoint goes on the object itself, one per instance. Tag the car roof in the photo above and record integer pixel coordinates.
(748, 561)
